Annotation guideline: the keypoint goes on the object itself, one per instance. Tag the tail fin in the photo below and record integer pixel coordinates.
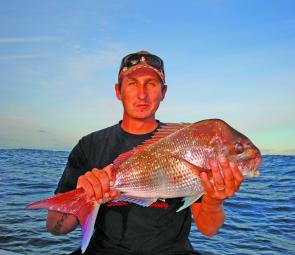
(74, 202)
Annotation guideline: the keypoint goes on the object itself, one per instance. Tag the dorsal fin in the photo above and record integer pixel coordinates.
(123, 157)
(162, 132)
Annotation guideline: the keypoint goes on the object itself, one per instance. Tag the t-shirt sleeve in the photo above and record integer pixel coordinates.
(76, 166)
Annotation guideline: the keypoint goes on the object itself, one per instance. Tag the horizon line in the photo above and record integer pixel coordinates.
(265, 152)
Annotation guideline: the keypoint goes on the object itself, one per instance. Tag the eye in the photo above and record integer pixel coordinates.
(131, 83)
(152, 84)
(239, 148)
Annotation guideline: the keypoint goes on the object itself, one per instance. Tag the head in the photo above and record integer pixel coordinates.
(141, 84)
(230, 143)
(239, 148)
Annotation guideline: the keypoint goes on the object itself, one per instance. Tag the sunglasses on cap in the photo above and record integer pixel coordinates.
(135, 58)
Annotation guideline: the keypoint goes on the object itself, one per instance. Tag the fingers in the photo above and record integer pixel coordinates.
(226, 179)
(208, 186)
(97, 184)
(115, 194)
(86, 185)
(229, 180)
(111, 173)
(100, 183)
(218, 180)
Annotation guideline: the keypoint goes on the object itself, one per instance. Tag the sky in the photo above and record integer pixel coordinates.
(232, 60)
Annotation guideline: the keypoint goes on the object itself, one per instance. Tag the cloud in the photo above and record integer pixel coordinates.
(43, 131)
(34, 39)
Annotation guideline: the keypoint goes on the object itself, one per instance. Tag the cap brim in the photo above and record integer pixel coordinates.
(141, 66)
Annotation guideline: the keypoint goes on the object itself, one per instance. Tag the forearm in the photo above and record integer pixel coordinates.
(60, 223)
(209, 216)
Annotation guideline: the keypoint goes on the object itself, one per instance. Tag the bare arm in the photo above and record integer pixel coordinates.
(60, 223)
(209, 214)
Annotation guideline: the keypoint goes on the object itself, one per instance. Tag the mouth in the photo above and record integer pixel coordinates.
(142, 105)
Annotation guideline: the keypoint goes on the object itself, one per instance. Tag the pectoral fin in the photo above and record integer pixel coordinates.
(189, 201)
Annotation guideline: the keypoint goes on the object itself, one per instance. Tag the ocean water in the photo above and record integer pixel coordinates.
(260, 218)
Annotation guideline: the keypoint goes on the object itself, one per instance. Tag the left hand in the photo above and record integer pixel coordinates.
(226, 180)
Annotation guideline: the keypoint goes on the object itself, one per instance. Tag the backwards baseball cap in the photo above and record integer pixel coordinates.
(141, 59)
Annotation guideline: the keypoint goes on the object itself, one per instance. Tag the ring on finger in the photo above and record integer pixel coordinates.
(220, 188)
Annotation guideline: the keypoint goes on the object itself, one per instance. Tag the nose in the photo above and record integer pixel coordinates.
(141, 92)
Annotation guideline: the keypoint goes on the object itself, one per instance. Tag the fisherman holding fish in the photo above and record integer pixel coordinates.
(110, 173)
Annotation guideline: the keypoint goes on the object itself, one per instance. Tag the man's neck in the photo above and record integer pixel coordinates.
(139, 126)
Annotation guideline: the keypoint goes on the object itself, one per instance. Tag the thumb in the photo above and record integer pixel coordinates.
(110, 170)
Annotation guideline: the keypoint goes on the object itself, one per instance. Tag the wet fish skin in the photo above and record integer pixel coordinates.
(167, 166)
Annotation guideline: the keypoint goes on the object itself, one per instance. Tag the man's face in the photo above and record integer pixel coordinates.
(141, 93)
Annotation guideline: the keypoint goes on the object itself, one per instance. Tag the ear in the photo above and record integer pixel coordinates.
(164, 90)
(118, 91)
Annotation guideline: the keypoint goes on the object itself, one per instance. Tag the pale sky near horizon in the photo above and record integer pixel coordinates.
(232, 60)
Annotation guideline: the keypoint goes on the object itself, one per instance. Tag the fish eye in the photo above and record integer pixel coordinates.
(239, 148)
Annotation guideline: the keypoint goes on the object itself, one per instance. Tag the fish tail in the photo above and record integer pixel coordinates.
(74, 202)
(88, 226)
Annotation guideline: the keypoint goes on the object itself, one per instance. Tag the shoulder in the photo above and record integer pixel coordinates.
(160, 123)
(93, 143)
(99, 135)
(90, 146)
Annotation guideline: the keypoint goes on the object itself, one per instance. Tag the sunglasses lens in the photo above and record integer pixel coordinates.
(132, 60)
(154, 61)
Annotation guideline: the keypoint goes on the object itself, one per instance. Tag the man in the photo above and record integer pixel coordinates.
(126, 228)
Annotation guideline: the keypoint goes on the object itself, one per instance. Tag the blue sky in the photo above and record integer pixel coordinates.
(228, 59)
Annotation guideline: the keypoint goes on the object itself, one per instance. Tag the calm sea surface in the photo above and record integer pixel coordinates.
(260, 218)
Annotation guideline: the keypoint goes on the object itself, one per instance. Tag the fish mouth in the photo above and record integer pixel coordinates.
(250, 173)
(251, 170)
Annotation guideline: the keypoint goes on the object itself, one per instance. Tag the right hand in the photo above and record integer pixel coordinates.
(97, 183)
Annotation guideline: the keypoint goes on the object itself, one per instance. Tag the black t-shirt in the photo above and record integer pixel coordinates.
(122, 227)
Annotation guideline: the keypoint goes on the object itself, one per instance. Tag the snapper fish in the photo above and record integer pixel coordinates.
(166, 166)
